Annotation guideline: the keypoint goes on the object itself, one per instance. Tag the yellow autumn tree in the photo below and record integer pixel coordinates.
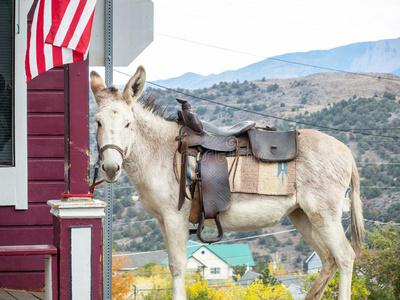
(154, 287)
(257, 290)
(201, 290)
(276, 269)
(153, 282)
(121, 281)
(359, 289)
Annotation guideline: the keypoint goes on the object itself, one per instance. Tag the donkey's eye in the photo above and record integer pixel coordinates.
(98, 124)
(127, 125)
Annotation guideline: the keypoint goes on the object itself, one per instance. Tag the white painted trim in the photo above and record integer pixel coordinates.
(48, 295)
(14, 180)
(81, 263)
(309, 258)
(85, 209)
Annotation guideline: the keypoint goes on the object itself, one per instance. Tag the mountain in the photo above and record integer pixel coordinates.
(375, 57)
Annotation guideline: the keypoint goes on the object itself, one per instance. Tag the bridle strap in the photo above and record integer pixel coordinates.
(97, 164)
(114, 147)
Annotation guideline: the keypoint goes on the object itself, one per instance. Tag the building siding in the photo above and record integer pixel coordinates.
(314, 263)
(212, 261)
(45, 181)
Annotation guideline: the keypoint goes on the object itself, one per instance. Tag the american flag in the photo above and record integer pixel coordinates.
(60, 34)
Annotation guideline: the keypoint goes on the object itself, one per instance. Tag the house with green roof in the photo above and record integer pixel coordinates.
(216, 261)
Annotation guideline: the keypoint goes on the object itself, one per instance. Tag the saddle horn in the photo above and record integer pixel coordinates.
(188, 117)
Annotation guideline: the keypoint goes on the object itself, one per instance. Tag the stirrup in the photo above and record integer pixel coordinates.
(200, 228)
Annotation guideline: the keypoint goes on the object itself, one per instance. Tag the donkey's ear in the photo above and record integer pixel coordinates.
(96, 83)
(135, 85)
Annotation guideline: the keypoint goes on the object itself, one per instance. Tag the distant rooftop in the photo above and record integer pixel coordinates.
(232, 254)
(248, 278)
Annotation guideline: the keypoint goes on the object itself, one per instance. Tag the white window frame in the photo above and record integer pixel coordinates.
(14, 180)
(215, 271)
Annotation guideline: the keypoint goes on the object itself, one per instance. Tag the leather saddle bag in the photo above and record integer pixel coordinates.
(273, 146)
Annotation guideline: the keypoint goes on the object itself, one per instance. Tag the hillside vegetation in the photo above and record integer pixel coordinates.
(362, 111)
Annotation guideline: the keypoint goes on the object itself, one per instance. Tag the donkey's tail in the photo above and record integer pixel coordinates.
(357, 219)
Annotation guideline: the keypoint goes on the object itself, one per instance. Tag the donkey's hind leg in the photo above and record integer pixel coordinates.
(331, 231)
(300, 220)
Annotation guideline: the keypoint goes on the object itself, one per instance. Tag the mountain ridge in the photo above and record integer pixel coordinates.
(381, 56)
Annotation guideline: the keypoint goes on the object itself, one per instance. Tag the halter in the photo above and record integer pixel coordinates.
(112, 146)
(97, 164)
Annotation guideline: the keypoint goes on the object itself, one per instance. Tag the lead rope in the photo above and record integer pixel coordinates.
(96, 174)
(91, 188)
(97, 164)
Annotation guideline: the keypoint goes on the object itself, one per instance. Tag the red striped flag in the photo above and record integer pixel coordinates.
(73, 24)
(60, 34)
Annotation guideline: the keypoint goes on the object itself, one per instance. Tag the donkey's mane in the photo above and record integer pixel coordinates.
(150, 102)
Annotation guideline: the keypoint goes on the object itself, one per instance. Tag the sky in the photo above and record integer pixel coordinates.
(253, 30)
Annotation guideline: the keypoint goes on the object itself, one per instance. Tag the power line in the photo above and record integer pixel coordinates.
(254, 236)
(200, 244)
(381, 223)
(376, 163)
(221, 242)
(279, 59)
(123, 187)
(226, 241)
(379, 187)
(262, 114)
(138, 253)
(133, 222)
(367, 129)
(373, 129)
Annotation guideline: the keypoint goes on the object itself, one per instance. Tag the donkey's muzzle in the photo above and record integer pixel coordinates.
(111, 171)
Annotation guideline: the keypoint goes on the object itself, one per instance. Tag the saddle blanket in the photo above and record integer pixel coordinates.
(255, 177)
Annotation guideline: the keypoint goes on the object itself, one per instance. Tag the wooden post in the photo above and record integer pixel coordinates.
(78, 236)
(76, 163)
(77, 218)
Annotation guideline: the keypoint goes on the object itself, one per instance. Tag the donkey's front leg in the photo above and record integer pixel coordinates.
(175, 230)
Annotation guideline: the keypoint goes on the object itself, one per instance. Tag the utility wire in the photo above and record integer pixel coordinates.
(376, 163)
(381, 223)
(379, 187)
(254, 236)
(200, 244)
(367, 129)
(371, 129)
(262, 114)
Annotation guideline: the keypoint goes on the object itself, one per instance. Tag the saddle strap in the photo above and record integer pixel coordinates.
(197, 205)
(214, 183)
(182, 185)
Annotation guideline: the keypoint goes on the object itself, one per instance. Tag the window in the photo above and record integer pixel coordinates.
(6, 83)
(13, 103)
(215, 271)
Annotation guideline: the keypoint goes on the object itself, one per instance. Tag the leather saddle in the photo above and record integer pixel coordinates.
(211, 145)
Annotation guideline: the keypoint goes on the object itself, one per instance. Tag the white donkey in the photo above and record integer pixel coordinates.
(134, 137)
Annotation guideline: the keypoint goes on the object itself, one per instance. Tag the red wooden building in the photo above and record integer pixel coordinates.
(43, 153)
(44, 159)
